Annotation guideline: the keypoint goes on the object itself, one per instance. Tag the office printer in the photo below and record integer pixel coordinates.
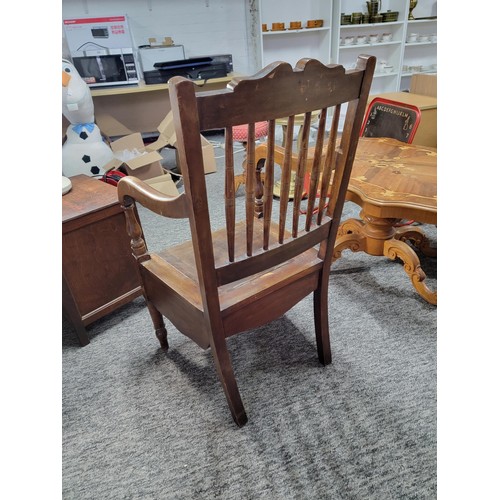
(149, 55)
(197, 68)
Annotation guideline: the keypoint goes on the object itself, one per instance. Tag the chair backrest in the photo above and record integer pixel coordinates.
(276, 91)
(393, 119)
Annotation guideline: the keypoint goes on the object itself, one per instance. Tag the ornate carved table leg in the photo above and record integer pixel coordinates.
(377, 236)
(418, 238)
(350, 236)
(395, 248)
(367, 235)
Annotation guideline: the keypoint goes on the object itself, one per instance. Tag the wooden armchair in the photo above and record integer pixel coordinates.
(240, 275)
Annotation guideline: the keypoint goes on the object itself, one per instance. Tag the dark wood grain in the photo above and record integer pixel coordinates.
(230, 279)
(99, 272)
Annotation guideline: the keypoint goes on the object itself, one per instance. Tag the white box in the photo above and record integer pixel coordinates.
(97, 33)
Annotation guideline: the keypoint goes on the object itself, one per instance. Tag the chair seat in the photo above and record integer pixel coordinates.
(176, 268)
(240, 132)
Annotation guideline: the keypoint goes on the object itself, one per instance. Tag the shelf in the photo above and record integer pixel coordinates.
(326, 45)
(371, 25)
(430, 72)
(419, 44)
(423, 20)
(289, 31)
(378, 44)
(287, 44)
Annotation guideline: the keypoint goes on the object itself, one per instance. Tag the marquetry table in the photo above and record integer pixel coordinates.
(392, 181)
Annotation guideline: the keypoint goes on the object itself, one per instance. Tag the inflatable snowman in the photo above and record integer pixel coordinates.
(84, 151)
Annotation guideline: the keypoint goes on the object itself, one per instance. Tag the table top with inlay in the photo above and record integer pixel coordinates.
(393, 179)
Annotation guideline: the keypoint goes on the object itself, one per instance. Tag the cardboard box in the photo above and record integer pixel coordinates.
(166, 42)
(138, 160)
(167, 129)
(164, 184)
(144, 162)
(424, 84)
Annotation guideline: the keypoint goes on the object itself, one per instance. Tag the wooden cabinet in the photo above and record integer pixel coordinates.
(98, 270)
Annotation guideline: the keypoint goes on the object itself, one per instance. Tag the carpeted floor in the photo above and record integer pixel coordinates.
(142, 424)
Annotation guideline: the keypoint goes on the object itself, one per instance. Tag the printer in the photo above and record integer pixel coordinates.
(149, 55)
(196, 68)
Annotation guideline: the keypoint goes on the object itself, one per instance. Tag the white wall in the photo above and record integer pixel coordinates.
(204, 27)
(425, 8)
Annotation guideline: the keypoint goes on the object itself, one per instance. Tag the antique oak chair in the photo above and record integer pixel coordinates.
(237, 276)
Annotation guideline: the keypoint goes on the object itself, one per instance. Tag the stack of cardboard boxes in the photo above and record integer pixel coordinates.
(144, 161)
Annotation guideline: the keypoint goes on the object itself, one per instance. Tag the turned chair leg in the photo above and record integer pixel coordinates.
(159, 325)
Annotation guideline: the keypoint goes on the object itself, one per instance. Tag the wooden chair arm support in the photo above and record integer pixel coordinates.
(132, 189)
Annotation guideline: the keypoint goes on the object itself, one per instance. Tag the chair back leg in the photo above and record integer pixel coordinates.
(225, 371)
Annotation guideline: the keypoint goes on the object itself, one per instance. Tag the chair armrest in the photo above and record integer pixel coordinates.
(131, 189)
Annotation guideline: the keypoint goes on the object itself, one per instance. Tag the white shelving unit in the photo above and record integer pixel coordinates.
(419, 56)
(397, 59)
(292, 44)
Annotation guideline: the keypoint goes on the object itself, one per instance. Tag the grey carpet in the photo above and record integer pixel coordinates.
(142, 424)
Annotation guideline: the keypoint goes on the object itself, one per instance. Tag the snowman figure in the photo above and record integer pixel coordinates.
(84, 151)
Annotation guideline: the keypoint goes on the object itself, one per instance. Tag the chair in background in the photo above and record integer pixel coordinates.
(393, 119)
(388, 118)
(234, 276)
(297, 122)
(240, 134)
